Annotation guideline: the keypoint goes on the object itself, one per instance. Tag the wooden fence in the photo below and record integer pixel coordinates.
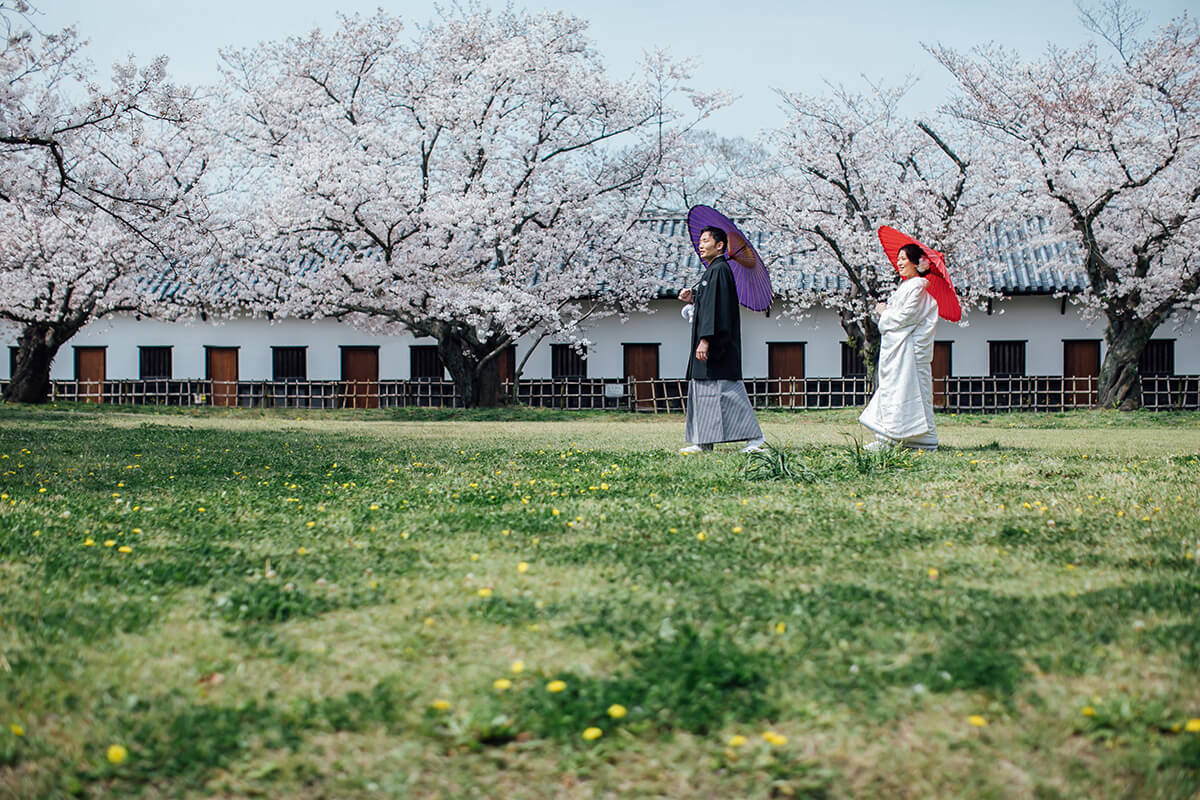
(956, 394)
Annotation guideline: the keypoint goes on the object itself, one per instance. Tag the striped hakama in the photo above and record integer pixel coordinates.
(719, 411)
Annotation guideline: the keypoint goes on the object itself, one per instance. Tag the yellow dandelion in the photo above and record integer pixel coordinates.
(1193, 725)
(616, 711)
(737, 529)
(518, 667)
(484, 592)
(555, 686)
(89, 542)
(781, 627)
(555, 511)
(110, 542)
(302, 551)
(1088, 711)
(309, 524)
(592, 733)
(701, 536)
(775, 739)
(374, 506)
(16, 729)
(440, 705)
(737, 740)
(977, 721)
(523, 567)
(933, 573)
(124, 549)
(117, 754)
(474, 556)
(502, 684)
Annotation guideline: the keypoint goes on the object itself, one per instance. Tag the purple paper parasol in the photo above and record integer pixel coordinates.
(749, 273)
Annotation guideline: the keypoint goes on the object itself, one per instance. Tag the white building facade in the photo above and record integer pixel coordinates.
(1040, 327)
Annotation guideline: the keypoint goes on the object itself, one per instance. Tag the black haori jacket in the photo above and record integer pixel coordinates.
(719, 320)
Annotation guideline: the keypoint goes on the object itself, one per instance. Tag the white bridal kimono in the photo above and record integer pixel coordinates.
(901, 410)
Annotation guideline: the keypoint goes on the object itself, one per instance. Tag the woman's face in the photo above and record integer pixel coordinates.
(907, 268)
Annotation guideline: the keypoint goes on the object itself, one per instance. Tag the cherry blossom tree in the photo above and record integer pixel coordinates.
(845, 164)
(99, 191)
(1107, 146)
(477, 181)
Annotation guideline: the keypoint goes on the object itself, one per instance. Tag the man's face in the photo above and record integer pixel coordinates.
(709, 248)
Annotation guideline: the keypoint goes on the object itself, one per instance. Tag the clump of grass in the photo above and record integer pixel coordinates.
(876, 462)
(813, 464)
(776, 463)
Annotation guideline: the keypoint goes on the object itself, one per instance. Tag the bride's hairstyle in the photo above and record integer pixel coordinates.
(915, 254)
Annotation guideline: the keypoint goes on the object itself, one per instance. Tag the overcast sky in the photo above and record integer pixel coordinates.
(750, 47)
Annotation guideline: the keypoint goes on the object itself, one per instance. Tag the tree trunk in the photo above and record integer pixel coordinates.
(38, 345)
(1120, 384)
(864, 338)
(476, 384)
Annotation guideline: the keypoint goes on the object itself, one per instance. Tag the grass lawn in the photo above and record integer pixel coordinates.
(521, 604)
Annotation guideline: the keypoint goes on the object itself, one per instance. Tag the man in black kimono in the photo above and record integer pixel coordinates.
(718, 409)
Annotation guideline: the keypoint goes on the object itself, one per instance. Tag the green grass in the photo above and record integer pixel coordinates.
(320, 604)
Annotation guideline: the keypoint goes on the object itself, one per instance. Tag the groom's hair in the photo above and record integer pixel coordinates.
(718, 235)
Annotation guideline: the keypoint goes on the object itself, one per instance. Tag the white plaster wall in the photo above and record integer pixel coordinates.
(1035, 319)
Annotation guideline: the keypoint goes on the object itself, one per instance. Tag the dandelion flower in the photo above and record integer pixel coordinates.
(616, 711)
(781, 627)
(502, 684)
(484, 592)
(592, 733)
(523, 567)
(110, 542)
(555, 686)
(124, 549)
(977, 721)
(89, 542)
(441, 705)
(775, 739)
(16, 729)
(1193, 725)
(933, 573)
(518, 667)
(1088, 711)
(737, 740)
(117, 754)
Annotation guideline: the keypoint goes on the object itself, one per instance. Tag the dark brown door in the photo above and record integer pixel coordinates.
(785, 368)
(90, 373)
(506, 364)
(360, 377)
(641, 364)
(1081, 368)
(941, 371)
(221, 367)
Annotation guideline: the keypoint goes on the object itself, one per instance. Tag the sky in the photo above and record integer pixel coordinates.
(749, 48)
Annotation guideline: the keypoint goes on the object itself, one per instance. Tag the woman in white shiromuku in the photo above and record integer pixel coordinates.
(901, 410)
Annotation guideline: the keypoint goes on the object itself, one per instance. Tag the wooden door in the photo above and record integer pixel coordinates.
(1081, 368)
(506, 364)
(941, 371)
(641, 364)
(221, 367)
(360, 377)
(90, 373)
(785, 369)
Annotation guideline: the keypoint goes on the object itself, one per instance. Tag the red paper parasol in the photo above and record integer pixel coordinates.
(940, 285)
(749, 273)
